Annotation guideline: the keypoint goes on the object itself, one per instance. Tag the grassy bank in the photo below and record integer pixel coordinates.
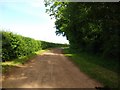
(21, 60)
(103, 70)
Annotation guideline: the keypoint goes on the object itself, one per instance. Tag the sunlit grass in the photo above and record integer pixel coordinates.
(19, 61)
(104, 71)
(41, 51)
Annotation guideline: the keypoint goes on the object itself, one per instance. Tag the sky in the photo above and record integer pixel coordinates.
(28, 18)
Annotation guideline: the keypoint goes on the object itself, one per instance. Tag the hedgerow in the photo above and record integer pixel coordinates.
(15, 46)
(45, 45)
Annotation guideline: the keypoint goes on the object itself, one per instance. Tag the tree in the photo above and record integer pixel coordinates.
(92, 27)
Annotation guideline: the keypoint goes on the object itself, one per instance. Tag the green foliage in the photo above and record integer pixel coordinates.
(0, 46)
(15, 46)
(46, 45)
(103, 70)
(91, 27)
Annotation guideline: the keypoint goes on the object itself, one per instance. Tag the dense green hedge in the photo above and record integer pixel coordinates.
(51, 45)
(0, 46)
(15, 46)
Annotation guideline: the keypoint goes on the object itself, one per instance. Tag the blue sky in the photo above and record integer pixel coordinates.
(28, 18)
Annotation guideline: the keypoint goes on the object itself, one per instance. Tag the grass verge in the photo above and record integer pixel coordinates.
(21, 60)
(103, 70)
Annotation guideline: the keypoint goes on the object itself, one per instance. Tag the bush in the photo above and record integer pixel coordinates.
(15, 46)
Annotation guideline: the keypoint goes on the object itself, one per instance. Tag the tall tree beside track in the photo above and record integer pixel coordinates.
(92, 27)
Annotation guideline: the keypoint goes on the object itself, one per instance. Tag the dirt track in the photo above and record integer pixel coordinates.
(49, 70)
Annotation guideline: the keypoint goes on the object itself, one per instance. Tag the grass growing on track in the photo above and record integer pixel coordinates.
(19, 61)
(103, 70)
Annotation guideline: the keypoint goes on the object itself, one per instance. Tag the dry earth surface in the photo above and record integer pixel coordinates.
(49, 70)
